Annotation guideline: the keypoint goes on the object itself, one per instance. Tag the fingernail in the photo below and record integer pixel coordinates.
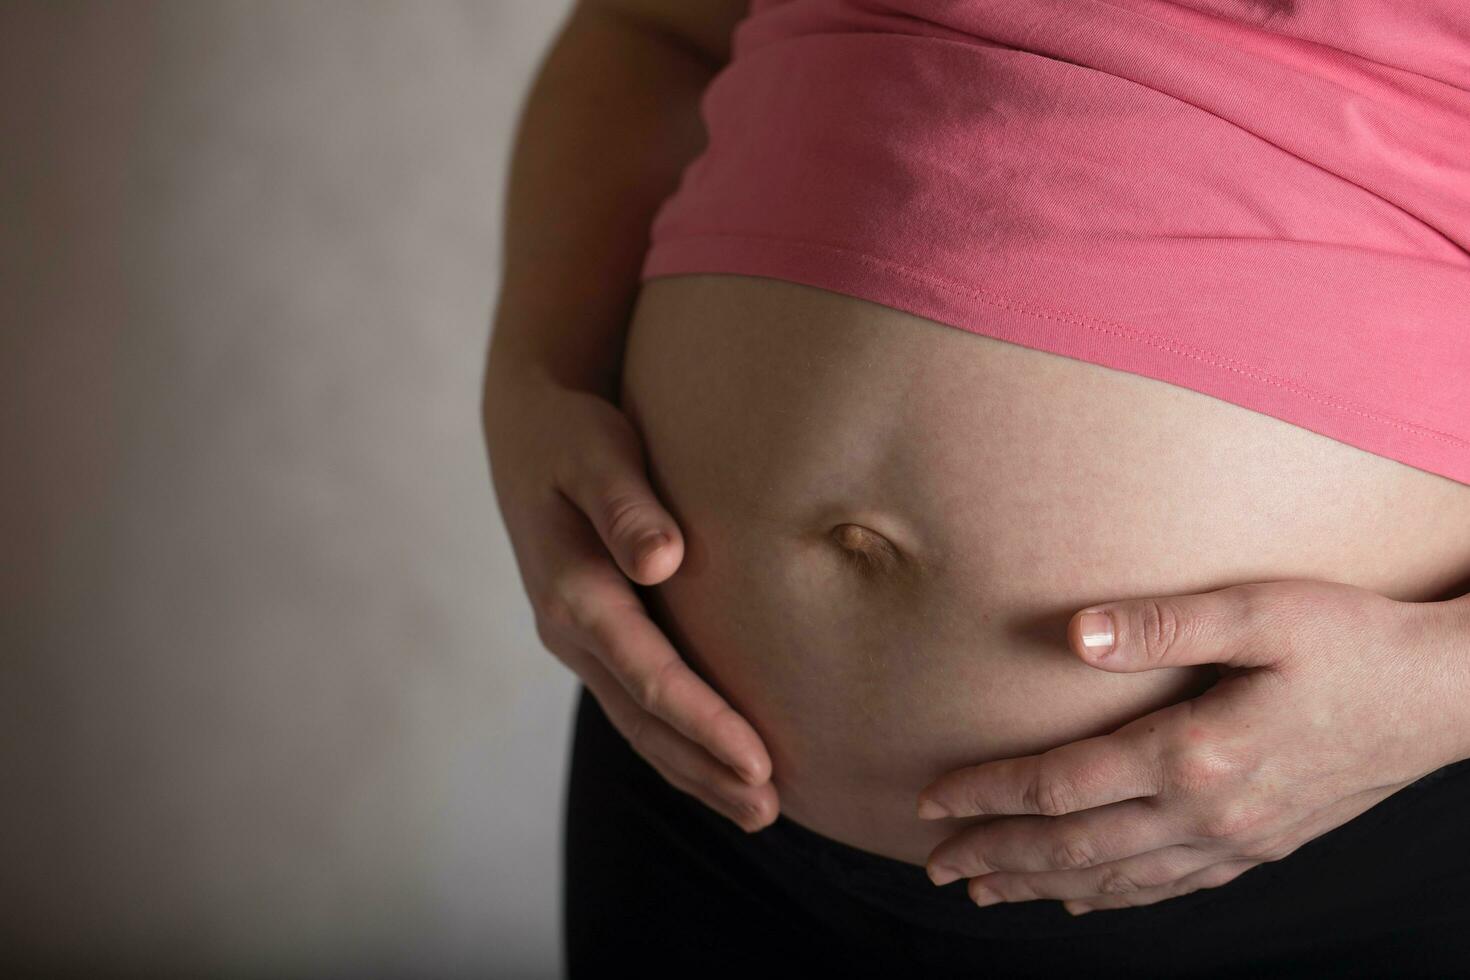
(929, 810)
(943, 875)
(1077, 909)
(648, 544)
(1097, 633)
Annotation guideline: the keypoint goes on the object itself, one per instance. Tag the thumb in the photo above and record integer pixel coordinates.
(607, 482)
(1220, 627)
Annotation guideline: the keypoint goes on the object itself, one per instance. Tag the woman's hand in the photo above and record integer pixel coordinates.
(569, 474)
(1331, 698)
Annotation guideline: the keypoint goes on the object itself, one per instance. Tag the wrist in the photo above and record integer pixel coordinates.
(516, 400)
(518, 356)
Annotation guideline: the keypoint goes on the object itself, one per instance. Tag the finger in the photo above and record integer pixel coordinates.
(606, 480)
(1305, 831)
(1223, 626)
(637, 652)
(1212, 876)
(590, 601)
(679, 761)
(1067, 843)
(1076, 776)
(1154, 869)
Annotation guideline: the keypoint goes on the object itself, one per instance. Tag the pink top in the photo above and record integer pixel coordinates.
(1267, 201)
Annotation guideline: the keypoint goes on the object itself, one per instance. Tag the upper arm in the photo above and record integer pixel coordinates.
(704, 26)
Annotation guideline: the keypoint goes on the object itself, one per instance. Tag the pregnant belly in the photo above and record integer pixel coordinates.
(888, 523)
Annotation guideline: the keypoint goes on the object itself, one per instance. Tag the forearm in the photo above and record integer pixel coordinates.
(608, 126)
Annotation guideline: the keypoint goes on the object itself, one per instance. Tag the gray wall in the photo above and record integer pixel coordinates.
(270, 696)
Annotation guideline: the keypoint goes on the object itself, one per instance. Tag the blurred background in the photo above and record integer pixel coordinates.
(271, 699)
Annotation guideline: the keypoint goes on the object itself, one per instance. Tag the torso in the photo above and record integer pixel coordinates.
(889, 521)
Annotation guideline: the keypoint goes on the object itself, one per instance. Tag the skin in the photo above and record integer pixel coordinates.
(621, 84)
(872, 520)
(578, 508)
(570, 470)
(1285, 748)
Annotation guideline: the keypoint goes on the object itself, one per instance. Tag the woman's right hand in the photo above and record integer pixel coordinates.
(569, 474)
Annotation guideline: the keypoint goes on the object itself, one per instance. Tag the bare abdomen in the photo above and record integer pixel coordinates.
(889, 521)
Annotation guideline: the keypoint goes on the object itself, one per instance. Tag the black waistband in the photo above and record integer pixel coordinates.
(1382, 856)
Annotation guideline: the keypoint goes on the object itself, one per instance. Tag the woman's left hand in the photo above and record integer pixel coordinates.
(1330, 699)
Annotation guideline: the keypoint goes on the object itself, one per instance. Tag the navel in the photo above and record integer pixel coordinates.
(865, 545)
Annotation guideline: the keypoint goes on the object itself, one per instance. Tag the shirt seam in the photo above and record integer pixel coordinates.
(1100, 325)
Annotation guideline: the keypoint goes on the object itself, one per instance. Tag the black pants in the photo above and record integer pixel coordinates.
(658, 885)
